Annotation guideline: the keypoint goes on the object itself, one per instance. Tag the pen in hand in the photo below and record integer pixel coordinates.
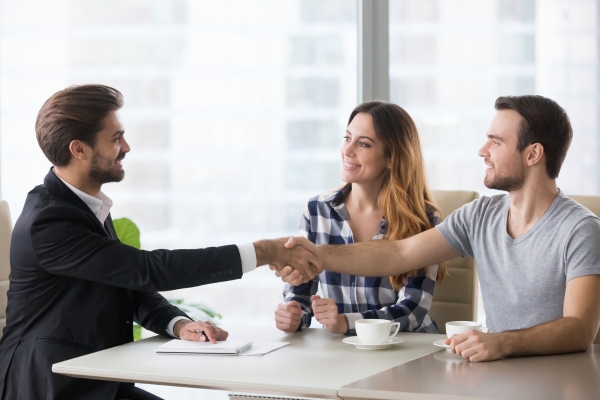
(202, 334)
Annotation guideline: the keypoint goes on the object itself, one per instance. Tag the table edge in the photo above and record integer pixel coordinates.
(195, 383)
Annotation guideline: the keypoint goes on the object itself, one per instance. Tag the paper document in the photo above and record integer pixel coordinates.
(256, 349)
(261, 348)
(186, 346)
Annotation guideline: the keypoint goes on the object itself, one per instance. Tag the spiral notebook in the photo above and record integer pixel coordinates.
(185, 346)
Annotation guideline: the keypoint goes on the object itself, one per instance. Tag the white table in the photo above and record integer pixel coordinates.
(316, 364)
(446, 376)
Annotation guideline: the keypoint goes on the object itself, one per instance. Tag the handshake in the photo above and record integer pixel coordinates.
(294, 260)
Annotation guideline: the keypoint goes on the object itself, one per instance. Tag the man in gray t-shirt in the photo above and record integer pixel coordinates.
(536, 250)
(523, 280)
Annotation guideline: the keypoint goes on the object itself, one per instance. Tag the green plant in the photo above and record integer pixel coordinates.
(137, 332)
(129, 234)
(198, 310)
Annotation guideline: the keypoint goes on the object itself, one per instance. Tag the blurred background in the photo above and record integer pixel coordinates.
(235, 110)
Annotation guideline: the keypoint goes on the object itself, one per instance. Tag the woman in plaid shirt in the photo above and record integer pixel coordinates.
(385, 197)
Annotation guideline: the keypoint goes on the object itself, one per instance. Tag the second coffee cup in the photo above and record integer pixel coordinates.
(458, 327)
(375, 331)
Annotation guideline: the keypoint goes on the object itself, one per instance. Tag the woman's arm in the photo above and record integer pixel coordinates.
(300, 294)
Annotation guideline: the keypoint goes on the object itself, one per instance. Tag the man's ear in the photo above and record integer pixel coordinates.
(80, 150)
(535, 152)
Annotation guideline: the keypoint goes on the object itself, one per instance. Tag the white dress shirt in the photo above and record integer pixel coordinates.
(100, 205)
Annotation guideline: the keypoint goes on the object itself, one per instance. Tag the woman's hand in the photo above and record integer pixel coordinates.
(326, 312)
(288, 316)
(185, 329)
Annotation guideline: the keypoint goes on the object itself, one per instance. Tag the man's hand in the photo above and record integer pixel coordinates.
(477, 346)
(288, 316)
(298, 253)
(185, 329)
(288, 275)
(326, 312)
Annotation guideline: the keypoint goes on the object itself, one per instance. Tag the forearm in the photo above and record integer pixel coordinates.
(373, 258)
(305, 305)
(387, 257)
(564, 335)
(154, 312)
(381, 257)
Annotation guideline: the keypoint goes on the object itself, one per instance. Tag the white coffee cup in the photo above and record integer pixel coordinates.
(458, 327)
(375, 331)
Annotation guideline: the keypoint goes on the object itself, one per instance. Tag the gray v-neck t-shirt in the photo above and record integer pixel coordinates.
(523, 280)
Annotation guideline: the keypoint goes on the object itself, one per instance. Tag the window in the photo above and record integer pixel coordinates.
(234, 110)
(451, 59)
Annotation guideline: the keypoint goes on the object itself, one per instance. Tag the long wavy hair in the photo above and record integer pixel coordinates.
(404, 199)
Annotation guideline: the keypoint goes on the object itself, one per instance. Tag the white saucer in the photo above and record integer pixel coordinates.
(440, 343)
(354, 340)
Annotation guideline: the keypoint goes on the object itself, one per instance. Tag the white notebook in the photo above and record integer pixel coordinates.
(186, 346)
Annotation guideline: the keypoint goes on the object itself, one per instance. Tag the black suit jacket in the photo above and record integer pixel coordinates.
(75, 289)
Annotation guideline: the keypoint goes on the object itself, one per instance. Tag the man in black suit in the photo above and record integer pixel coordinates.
(74, 288)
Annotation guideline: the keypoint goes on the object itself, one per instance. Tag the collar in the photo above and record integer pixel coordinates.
(337, 196)
(99, 205)
(336, 201)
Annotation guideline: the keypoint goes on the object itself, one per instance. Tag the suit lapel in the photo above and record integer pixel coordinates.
(57, 188)
(110, 228)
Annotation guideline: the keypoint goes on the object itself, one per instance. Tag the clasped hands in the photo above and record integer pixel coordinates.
(294, 260)
(288, 316)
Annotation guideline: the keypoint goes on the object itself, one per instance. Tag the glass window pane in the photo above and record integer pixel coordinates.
(451, 59)
(234, 111)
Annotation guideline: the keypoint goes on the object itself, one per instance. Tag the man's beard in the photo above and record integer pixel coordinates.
(507, 183)
(101, 169)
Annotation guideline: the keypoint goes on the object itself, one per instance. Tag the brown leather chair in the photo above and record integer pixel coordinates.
(592, 203)
(5, 233)
(456, 298)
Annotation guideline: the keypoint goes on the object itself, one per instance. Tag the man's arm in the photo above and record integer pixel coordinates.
(377, 257)
(575, 331)
(64, 244)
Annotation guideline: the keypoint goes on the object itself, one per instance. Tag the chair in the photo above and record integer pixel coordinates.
(456, 298)
(592, 203)
(5, 233)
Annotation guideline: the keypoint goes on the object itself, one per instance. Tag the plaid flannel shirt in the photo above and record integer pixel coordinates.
(325, 221)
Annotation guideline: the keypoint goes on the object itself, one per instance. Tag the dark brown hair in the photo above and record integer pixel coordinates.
(404, 199)
(544, 122)
(75, 113)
